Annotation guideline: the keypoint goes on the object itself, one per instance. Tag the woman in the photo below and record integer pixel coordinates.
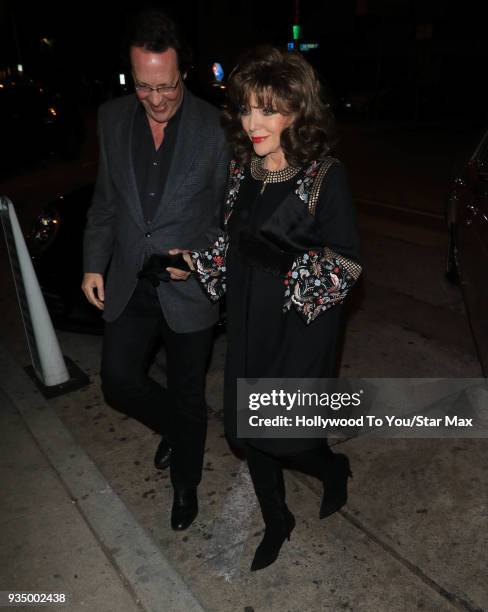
(286, 261)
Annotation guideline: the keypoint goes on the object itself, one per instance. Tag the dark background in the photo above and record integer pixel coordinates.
(397, 59)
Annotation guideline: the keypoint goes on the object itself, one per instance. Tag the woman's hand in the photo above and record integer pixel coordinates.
(176, 273)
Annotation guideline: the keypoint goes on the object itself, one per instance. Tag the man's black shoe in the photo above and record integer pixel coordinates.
(163, 454)
(185, 508)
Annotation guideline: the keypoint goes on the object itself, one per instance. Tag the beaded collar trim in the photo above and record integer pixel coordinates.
(259, 173)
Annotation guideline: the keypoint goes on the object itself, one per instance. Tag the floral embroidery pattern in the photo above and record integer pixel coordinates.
(210, 268)
(304, 184)
(318, 280)
(236, 176)
(210, 263)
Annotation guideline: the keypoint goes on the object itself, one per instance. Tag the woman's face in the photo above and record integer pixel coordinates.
(264, 127)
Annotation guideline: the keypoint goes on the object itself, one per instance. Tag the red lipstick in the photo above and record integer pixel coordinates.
(257, 139)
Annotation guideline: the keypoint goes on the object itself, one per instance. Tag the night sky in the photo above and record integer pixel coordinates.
(437, 47)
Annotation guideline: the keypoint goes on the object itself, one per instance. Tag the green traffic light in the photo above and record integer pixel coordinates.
(297, 31)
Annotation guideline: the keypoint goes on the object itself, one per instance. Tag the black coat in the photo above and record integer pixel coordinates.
(291, 256)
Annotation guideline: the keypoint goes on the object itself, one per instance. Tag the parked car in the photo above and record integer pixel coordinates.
(55, 244)
(35, 123)
(467, 254)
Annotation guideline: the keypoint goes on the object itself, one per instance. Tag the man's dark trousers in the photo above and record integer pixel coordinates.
(180, 410)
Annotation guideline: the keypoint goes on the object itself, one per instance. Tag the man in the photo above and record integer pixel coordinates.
(161, 181)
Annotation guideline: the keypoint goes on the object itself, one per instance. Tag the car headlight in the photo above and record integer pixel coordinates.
(44, 231)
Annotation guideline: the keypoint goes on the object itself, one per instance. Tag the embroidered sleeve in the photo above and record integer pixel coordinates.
(236, 175)
(210, 269)
(321, 277)
(318, 280)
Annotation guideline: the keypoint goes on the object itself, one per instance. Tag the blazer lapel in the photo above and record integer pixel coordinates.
(125, 130)
(185, 150)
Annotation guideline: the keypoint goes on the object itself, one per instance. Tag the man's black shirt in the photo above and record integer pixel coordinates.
(151, 166)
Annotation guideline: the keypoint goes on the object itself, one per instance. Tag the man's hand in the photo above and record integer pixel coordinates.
(176, 273)
(93, 288)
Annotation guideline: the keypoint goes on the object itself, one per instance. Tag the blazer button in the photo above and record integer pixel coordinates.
(148, 234)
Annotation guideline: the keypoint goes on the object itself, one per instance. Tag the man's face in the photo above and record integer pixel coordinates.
(157, 70)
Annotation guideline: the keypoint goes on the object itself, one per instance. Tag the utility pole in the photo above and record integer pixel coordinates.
(296, 26)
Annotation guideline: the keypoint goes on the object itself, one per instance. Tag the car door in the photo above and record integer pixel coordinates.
(472, 247)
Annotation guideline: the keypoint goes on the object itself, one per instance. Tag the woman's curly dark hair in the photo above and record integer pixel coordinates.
(286, 82)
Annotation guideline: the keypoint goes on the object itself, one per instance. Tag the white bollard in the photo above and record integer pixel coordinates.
(47, 359)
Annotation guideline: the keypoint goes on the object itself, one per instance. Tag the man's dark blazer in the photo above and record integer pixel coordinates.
(117, 238)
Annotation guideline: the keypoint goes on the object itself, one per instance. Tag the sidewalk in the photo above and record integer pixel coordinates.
(86, 514)
(64, 529)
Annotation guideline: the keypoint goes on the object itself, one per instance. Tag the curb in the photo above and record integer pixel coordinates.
(152, 579)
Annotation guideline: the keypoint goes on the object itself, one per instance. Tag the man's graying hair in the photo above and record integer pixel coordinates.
(154, 31)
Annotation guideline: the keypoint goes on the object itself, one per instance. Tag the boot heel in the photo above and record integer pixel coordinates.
(275, 534)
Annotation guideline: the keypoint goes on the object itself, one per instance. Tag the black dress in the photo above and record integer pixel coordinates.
(264, 340)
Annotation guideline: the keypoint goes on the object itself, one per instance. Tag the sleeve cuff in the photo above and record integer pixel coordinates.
(318, 280)
(210, 268)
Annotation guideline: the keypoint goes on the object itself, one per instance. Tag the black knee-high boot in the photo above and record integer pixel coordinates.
(269, 486)
(332, 469)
